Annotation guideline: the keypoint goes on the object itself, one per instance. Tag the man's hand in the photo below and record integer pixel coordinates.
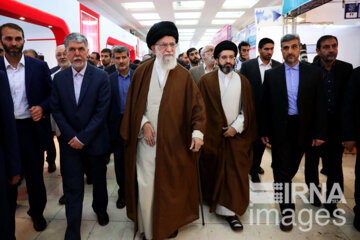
(149, 134)
(317, 142)
(196, 144)
(265, 140)
(14, 180)
(229, 131)
(349, 145)
(75, 144)
(36, 113)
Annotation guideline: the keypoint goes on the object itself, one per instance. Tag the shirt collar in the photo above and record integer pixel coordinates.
(208, 69)
(127, 75)
(262, 63)
(81, 73)
(21, 62)
(225, 76)
(296, 67)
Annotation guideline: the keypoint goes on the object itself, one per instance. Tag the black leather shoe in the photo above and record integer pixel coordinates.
(39, 223)
(331, 207)
(286, 224)
(174, 234)
(234, 223)
(51, 167)
(120, 203)
(103, 218)
(255, 178)
(260, 170)
(357, 222)
(89, 180)
(62, 200)
(323, 171)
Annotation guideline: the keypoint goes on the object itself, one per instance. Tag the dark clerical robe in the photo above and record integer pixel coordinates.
(181, 111)
(225, 162)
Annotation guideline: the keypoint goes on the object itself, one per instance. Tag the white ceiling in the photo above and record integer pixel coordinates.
(114, 10)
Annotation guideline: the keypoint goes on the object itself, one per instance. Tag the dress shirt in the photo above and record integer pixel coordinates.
(161, 72)
(16, 78)
(292, 85)
(78, 79)
(124, 83)
(225, 78)
(238, 63)
(263, 68)
(329, 78)
(206, 70)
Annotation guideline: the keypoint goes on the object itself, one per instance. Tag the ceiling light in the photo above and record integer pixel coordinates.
(186, 34)
(146, 16)
(187, 15)
(212, 30)
(187, 22)
(233, 4)
(185, 38)
(229, 14)
(22, 18)
(186, 30)
(138, 5)
(209, 33)
(148, 23)
(188, 5)
(223, 21)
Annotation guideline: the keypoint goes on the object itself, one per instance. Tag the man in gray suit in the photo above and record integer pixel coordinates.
(207, 54)
(254, 70)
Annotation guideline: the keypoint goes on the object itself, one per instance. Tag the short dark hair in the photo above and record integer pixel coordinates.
(120, 49)
(97, 55)
(12, 26)
(324, 38)
(264, 41)
(106, 50)
(190, 50)
(180, 55)
(36, 55)
(200, 51)
(243, 44)
(289, 37)
(136, 61)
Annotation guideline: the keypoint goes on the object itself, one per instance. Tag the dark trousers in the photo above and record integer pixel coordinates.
(72, 165)
(50, 151)
(119, 163)
(286, 158)
(258, 149)
(357, 181)
(312, 159)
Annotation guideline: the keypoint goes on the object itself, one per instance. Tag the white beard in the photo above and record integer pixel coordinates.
(166, 62)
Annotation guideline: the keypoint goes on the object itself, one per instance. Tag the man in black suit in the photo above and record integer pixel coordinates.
(336, 76)
(351, 133)
(10, 163)
(293, 116)
(30, 83)
(119, 81)
(79, 101)
(254, 70)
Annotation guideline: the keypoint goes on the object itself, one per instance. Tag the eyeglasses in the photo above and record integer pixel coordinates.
(166, 45)
(227, 57)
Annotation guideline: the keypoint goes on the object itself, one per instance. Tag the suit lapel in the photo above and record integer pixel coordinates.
(85, 83)
(28, 74)
(117, 91)
(302, 78)
(282, 84)
(69, 81)
(257, 71)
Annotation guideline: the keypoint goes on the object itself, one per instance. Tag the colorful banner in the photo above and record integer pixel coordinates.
(289, 5)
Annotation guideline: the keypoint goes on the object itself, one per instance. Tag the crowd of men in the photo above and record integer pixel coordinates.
(156, 117)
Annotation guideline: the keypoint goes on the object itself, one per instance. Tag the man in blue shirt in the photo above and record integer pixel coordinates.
(293, 117)
(120, 81)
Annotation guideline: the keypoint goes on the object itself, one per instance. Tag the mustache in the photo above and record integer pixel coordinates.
(77, 58)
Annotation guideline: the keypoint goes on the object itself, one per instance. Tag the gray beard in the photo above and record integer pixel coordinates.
(166, 63)
(225, 70)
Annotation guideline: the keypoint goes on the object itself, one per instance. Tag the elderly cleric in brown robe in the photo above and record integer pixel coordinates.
(163, 125)
(230, 132)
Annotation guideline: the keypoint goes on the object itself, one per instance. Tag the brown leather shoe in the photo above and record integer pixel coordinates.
(286, 224)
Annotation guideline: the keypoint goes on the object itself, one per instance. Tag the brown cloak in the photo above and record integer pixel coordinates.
(225, 162)
(182, 110)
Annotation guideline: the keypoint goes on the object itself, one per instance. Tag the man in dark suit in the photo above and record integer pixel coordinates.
(30, 84)
(119, 81)
(336, 76)
(79, 102)
(293, 116)
(10, 163)
(254, 70)
(351, 133)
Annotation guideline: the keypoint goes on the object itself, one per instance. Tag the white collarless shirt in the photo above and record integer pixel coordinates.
(16, 78)
(263, 68)
(78, 78)
(161, 72)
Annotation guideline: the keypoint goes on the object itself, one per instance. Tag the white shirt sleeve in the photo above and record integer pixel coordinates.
(197, 134)
(143, 121)
(238, 124)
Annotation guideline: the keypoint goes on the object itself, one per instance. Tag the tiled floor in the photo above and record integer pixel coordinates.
(120, 227)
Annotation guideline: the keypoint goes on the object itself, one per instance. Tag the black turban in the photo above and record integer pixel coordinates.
(225, 45)
(160, 30)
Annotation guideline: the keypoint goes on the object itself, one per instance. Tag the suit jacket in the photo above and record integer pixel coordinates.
(351, 109)
(54, 69)
(87, 119)
(251, 70)
(38, 88)
(311, 104)
(112, 68)
(114, 117)
(197, 72)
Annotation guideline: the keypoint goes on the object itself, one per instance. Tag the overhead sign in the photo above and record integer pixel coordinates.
(289, 5)
(222, 34)
(268, 16)
(352, 11)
